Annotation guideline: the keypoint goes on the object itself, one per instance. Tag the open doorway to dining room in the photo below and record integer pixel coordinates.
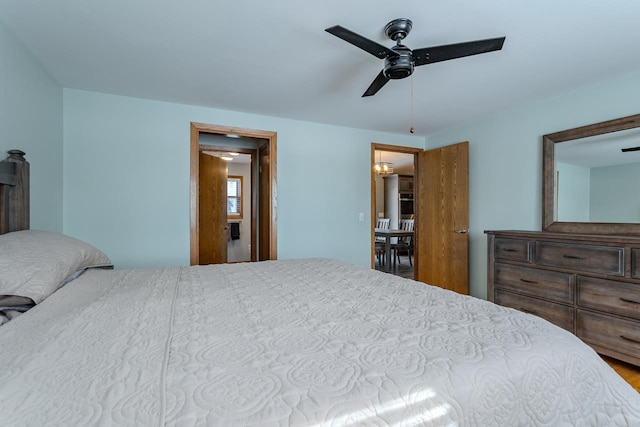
(441, 214)
(393, 208)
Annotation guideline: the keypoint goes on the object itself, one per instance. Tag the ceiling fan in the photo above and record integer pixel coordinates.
(399, 60)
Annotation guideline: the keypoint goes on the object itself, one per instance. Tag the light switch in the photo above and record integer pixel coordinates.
(361, 216)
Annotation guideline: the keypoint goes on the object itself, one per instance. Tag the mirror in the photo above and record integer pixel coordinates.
(590, 176)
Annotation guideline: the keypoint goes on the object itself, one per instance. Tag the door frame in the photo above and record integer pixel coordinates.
(270, 199)
(396, 149)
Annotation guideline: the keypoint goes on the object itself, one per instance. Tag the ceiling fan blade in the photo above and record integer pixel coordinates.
(376, 85)
(429, 55)
(363, 43)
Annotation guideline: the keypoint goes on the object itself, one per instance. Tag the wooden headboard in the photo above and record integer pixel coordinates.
(14, 192)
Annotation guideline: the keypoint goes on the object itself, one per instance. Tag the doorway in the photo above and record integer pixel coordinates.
(210, 229)
(441, 212)
(226, 179)
(392, 199)
(394, 176)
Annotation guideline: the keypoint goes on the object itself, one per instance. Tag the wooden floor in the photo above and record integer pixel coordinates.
(627, 371)
(402, 268)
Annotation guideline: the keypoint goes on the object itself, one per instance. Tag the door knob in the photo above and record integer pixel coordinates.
(462, 231)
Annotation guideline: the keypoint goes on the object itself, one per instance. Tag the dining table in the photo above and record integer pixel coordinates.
(388, 234)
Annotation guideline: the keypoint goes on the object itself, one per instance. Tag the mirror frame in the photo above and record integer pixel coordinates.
(549, 222)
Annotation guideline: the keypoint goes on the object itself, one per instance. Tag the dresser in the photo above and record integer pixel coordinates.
(586, 284)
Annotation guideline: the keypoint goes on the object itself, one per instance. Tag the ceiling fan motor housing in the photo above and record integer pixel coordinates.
(401, 66)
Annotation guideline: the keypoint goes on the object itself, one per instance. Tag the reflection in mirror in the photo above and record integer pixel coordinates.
(597, 178)
(572, 198)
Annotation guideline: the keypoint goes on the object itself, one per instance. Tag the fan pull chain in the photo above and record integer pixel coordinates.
(411, 129)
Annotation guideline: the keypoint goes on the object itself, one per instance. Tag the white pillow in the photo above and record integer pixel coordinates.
(33, 264)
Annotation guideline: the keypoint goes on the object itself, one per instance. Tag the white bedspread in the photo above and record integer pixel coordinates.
(299, 342)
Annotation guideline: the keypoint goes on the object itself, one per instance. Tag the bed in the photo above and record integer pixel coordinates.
(289, 342)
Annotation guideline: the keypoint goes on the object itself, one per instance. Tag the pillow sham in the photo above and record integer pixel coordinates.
(35, 263)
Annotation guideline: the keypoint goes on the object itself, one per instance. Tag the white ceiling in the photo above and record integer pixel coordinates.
(400, 161)
(235, 158)
(274, 57)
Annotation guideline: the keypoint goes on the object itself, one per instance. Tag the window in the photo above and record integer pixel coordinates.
(234, 197)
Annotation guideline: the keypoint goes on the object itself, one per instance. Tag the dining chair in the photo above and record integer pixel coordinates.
(404, 244)
(379, 241)
(383, 223)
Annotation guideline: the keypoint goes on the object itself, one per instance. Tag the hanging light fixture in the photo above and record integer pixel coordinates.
(383, 168)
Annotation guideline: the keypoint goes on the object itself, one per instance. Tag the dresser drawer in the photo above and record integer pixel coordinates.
(607, 295)
(513, 249)
(557, 314)
(616, 334)
(635, 263)
(535, 282)
(597, 259)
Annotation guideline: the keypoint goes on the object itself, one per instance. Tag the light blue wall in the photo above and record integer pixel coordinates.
(31, 120)
(126, 179)
(574, 191)
(505, 158)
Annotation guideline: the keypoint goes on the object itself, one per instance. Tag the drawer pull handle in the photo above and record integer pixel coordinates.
(629, 300)
(630, 339)
(528, 281)
(510, 250)
(529, 311)
(574, 256)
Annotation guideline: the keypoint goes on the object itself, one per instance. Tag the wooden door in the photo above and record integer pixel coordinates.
(442, 213)
(212, 216)
(266, 204)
